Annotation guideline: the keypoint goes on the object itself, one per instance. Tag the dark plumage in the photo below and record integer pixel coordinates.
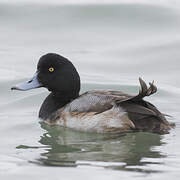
(93, 111)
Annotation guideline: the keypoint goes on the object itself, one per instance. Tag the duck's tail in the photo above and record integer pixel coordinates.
(143, 114)
(145, 91)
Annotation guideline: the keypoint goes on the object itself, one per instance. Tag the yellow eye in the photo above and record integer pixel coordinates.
(51, 69)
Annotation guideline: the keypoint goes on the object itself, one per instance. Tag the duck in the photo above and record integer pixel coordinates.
(96, 111)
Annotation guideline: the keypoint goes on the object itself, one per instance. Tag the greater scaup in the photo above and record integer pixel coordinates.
(94, 111)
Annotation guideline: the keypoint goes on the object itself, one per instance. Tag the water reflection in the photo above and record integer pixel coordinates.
(65, 147)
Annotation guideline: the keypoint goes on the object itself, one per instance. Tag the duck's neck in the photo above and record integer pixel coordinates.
(53, 102)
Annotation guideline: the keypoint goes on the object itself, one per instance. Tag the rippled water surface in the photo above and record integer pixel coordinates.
(111, 45)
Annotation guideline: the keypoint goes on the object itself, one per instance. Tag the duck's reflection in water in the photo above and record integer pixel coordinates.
(66, 147)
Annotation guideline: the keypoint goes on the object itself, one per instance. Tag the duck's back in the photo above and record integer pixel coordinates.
(111, 111)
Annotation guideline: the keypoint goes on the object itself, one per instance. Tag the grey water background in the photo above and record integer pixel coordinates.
(111, 45)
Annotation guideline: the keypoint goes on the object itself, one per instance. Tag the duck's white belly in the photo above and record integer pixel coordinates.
(112, 120)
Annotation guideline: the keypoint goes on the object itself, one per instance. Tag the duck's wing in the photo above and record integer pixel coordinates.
(100, 101)
(96, 101)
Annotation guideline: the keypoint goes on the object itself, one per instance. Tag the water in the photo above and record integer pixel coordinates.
(111, 45)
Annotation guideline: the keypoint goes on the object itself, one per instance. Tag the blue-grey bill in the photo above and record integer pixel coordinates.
(31, 84)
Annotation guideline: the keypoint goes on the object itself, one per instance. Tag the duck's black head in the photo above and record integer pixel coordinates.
(57, 74)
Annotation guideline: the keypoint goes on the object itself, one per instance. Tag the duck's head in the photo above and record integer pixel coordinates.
(55, 73)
